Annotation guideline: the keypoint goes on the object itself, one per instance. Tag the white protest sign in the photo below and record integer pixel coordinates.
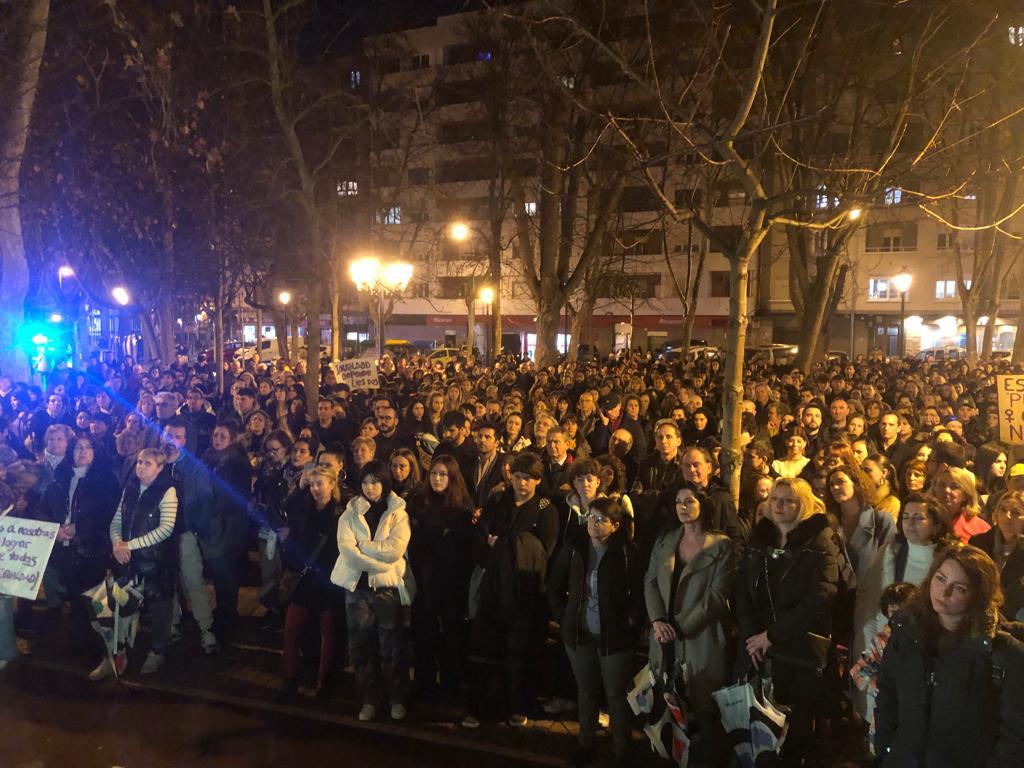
(1010, 394)
(360, 373)
(25, 547)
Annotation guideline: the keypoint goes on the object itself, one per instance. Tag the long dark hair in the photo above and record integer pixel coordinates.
(456, 495)
(983, 461)
(987, 597)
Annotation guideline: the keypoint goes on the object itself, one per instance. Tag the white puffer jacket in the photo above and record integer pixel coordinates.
(381, 557)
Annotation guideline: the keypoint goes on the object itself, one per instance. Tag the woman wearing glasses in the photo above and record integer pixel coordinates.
(785, 594)
(594, 592)
(687, 588)
(921, 530)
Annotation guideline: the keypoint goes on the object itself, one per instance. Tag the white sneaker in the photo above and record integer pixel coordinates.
(398, 712)
(367, 713)
(470, 722)
(152, 663)
(209, 642)
(103, 670)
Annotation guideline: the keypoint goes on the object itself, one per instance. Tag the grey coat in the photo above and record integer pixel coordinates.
(699, 612)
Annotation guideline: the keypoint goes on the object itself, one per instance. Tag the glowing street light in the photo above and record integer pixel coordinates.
(902, 282)
(284, 298)
(459, 231)
(854, 213)
(65, 271)
(487, 295)
(120, 294)
(56, 317)
(370, 275)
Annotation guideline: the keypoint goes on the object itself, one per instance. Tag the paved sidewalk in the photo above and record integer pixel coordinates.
(247, 672)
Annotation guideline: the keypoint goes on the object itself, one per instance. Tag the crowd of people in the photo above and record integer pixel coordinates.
(439, 530)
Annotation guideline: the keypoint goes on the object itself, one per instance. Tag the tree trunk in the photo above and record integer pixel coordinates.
(337, 324)
(259, 333)
(281, 332)
(731, 458)
(312, 380)
(470, 320)
(496, 322)
(1018, 341)
(218, 338)
(150, 339)
(971, 326)
(17, 96)
(549, 320)
(165, 319)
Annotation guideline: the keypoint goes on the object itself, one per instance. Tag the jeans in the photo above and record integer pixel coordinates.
(224, 575)
(596, 673)
(161, 617)
(376, 643)
(192, 582)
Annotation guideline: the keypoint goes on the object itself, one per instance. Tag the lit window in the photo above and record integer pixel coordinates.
(893, 196)
(945, 289)
(392, 215)
(1016, 35)
(347, 188)
(881, 289)
(355, 77)
(530, 208)
(823, 200)
(484, 55)
(569, 81)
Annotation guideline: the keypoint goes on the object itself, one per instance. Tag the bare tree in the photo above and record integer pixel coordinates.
(22, 45)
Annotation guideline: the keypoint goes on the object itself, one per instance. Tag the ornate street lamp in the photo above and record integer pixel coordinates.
(387, 278)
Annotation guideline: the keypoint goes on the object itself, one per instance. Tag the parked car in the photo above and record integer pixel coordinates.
(774, 354)
(444, 355)
(942, 354)
(268, 349)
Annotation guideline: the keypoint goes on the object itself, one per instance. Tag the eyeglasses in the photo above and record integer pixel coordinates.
(598, 518)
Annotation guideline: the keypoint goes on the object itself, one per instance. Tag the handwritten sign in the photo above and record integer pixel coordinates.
(1010, 391)
(25, 547)
(360, 373)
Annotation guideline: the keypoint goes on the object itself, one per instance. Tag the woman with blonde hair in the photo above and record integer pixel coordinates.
(785, 591)
(956, 493)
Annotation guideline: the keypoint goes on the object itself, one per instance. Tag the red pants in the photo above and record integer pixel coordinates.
(294, 623)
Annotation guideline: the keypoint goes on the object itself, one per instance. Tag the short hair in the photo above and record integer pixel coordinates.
(366, 442)
(896, 596)
(280, 436)
(527, 464)
(584, 467)
(249, 392)
(231, 425)
(61, 429)
(668, 423)
(456, 419)
(177, 422)
(152, 453)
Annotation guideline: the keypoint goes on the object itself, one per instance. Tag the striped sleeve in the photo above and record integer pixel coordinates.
(168, 516)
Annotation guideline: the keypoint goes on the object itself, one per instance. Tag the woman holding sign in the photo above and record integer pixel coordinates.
(81, 499)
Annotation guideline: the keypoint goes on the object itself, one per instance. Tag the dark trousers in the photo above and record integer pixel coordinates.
(598, 674)
(223, 573)
(161, 618)
(295, 621)
(440, 641)
(376, 644)
(511, 653)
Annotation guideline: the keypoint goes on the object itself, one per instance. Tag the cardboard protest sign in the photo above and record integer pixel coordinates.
(360, 373)
(1010, 392)
(25, 547)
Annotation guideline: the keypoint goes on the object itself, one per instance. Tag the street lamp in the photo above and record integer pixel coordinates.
(370, 275)
(120, 294)
(285, 298)
(902, 282)
(854, 213)
(459, 231)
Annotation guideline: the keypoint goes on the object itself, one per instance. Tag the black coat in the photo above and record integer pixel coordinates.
(789, 591)
(619, 591)
(959, 707)
(83, 562)
(440, 552)
(1011, 577)
(231, 475)
(307, 526)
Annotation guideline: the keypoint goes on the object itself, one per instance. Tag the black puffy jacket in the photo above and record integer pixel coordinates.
(789, 590)
(959, 707)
